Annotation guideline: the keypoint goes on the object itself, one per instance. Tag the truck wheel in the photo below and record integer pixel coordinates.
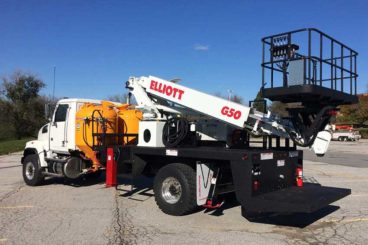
(339, 139)
(345, 138)
(175, 189)
(32, 173)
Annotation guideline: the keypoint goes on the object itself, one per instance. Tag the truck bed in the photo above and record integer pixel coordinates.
(277, 190)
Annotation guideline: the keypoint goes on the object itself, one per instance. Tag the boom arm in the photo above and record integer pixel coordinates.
(155, 96)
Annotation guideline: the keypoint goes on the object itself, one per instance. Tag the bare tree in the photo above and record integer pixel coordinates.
(122, 98)
(235, 98)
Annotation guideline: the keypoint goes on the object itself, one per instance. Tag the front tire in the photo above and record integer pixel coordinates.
(32, 173)
(175, 189)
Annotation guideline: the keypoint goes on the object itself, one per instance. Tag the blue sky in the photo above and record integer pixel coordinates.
(212, 45)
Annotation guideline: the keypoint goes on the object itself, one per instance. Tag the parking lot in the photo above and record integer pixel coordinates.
(86, 212)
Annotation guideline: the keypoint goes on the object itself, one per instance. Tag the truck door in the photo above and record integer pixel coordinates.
(58, 132)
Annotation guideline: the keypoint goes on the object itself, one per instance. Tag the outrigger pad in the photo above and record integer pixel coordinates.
(306, 199)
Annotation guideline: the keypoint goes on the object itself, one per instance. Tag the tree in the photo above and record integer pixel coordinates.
(122, 98)
(279, 108)
(234, 98)
(237, 99)
(355, 114)
(23, 105)
(259, 103)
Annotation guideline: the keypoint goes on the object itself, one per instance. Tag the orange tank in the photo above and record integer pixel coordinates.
(95, 118)
(128, 123)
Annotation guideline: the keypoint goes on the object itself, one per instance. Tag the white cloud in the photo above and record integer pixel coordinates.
(200, 47)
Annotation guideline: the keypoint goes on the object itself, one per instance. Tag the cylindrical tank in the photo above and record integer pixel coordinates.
(128, 123)
(98, 119)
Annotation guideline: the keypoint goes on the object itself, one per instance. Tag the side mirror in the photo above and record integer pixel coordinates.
(49, 110)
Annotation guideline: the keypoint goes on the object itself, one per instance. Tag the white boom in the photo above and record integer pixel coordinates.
(155, 96)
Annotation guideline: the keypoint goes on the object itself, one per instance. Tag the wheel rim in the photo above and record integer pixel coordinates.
(171, 190)
(30, 170)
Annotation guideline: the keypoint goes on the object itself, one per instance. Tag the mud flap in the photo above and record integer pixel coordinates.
(204, 176)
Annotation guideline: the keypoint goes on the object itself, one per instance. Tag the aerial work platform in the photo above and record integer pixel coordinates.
(307, 64)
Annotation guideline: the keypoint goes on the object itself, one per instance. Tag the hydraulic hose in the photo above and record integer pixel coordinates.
(174, 132)
(309, 134)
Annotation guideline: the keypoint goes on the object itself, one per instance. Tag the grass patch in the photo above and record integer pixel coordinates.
(9, 146)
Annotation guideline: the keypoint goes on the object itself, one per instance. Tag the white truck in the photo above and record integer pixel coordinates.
(196, 145)
(346, 135)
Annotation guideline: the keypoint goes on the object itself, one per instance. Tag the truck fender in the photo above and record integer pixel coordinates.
(204, 175)
(35, 147)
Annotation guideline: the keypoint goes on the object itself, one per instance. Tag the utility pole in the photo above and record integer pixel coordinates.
(53, 88)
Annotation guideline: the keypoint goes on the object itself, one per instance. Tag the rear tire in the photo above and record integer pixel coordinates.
(340, 138)
(175, 189)
(32, 173)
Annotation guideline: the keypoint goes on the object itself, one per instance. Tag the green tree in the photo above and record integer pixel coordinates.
(22, 103)
(354, 114)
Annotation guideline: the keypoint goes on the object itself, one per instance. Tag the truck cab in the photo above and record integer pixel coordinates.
(55, 143)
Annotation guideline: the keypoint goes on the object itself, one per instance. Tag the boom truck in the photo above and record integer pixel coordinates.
(199, 147)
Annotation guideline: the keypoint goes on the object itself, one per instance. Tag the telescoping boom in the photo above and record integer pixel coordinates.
(159, 98)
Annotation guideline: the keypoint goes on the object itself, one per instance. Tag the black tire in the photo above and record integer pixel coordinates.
(32, 173)
(346, 139)
(186, 176)
(340, 138)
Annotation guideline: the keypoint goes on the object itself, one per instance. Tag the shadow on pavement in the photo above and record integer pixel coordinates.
(139, 189)
(86, 180)
(229, 202)
(299, 220)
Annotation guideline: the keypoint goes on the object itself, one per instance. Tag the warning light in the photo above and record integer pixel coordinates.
(255, 185)
(299, 177)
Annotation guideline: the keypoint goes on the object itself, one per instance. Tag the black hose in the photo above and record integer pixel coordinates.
(85, 135)
(174, 132)
(309, 134)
